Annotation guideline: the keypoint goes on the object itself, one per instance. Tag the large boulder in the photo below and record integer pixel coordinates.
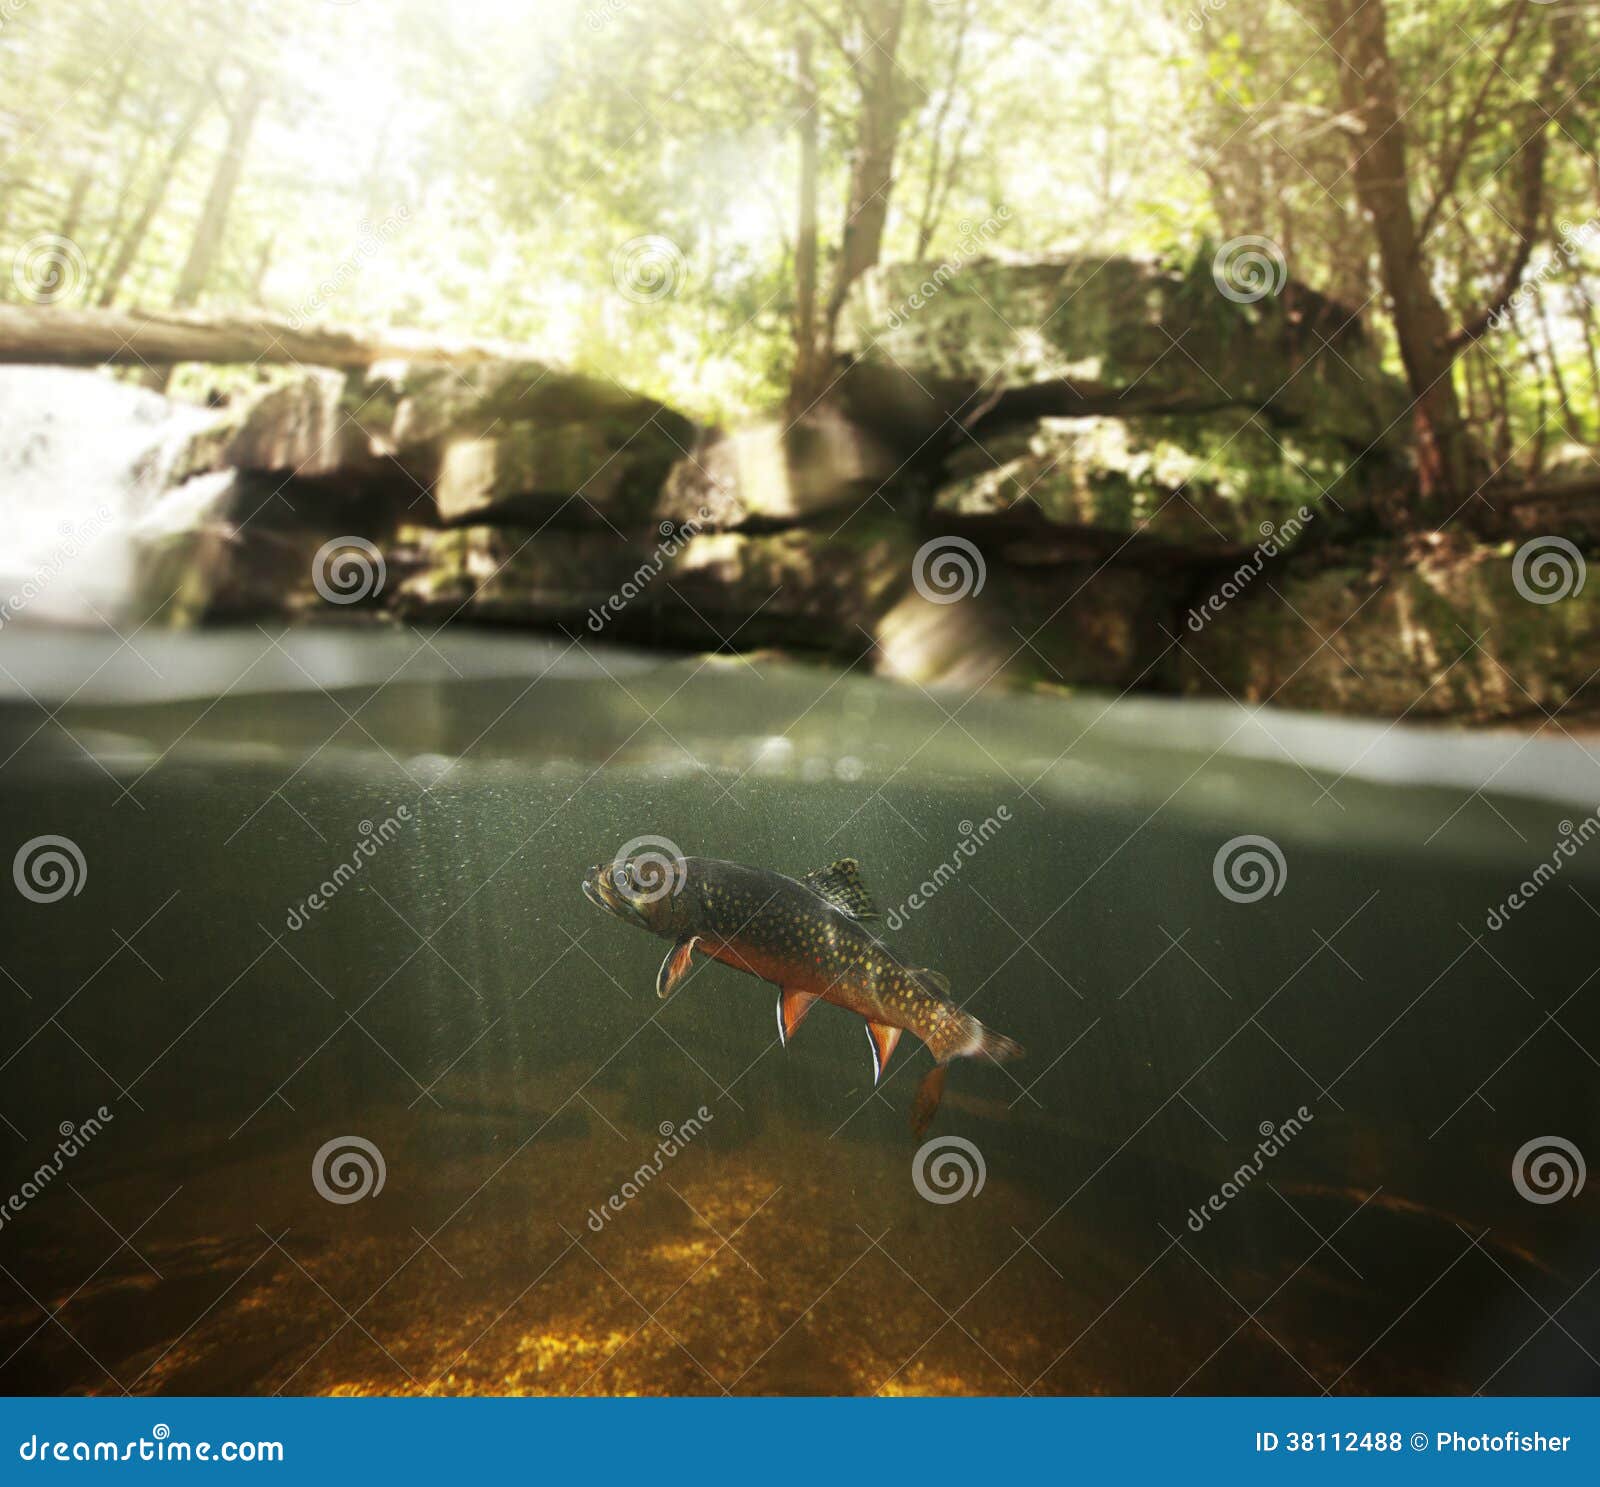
(1123, 336)
(777, 473)
(498, 441)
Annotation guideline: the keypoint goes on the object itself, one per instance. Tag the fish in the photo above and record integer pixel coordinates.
(811, 938)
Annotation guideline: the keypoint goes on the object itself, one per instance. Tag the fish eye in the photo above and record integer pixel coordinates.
(620, 875)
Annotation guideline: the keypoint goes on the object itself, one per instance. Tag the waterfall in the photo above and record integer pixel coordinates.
(85, 471)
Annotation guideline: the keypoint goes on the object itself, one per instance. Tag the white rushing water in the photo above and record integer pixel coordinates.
(84, 460)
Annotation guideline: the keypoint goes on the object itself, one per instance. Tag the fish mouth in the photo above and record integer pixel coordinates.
(601, 888)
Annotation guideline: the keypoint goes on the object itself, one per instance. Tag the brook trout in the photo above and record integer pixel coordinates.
(810, 938)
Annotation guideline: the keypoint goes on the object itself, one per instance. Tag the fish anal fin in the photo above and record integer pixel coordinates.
(929, 1093)
(676, 966)
(840, 883)
(882, 1037)
(792, 1008)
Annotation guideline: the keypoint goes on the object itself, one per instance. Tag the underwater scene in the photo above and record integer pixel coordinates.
(435, 1013)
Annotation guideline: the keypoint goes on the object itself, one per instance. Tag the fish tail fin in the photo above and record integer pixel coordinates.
(997, 1046)
(983, 1041)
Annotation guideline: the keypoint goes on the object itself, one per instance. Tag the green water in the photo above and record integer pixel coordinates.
(457, 1004)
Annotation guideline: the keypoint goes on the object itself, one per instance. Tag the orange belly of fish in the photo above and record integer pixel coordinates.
(795, 975)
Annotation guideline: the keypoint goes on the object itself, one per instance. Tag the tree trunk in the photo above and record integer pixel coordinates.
(86, 172)
(806, 382)
(55, 334)
(206, 246)
(1447, 464)
(133, 239)
(872, 171)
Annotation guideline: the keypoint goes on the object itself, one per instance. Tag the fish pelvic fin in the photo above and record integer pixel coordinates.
(676, 966)
(926, 1104)
(792, 1008)
(840, 883)
(979, 1042)
(882, 1038)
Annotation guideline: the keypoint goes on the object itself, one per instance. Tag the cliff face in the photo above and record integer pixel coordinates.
(1074, 473)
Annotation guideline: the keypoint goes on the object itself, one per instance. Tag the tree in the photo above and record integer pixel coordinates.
(1450, 465)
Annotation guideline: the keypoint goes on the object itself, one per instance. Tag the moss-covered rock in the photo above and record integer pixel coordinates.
(1448, 636)
(1202, 480)
(1092, 335)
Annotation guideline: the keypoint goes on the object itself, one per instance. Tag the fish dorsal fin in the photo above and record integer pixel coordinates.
(792, 1008)
(840, 883)
(882, 1037)
(933, 980)
(676, 966)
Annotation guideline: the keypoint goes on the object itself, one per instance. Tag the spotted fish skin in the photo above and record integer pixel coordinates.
(808, 938)
(777, 928)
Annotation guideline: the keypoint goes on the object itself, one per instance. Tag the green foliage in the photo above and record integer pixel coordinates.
(486, 167)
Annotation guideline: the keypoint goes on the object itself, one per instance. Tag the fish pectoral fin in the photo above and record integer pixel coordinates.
(676, 966)
(929, 1093)
(882, 1037)
(792, 1008)
(840, 883)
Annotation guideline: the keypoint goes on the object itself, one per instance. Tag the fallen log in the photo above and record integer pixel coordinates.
(59, 335)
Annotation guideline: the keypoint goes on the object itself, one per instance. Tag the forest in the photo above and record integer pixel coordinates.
(707, 202)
